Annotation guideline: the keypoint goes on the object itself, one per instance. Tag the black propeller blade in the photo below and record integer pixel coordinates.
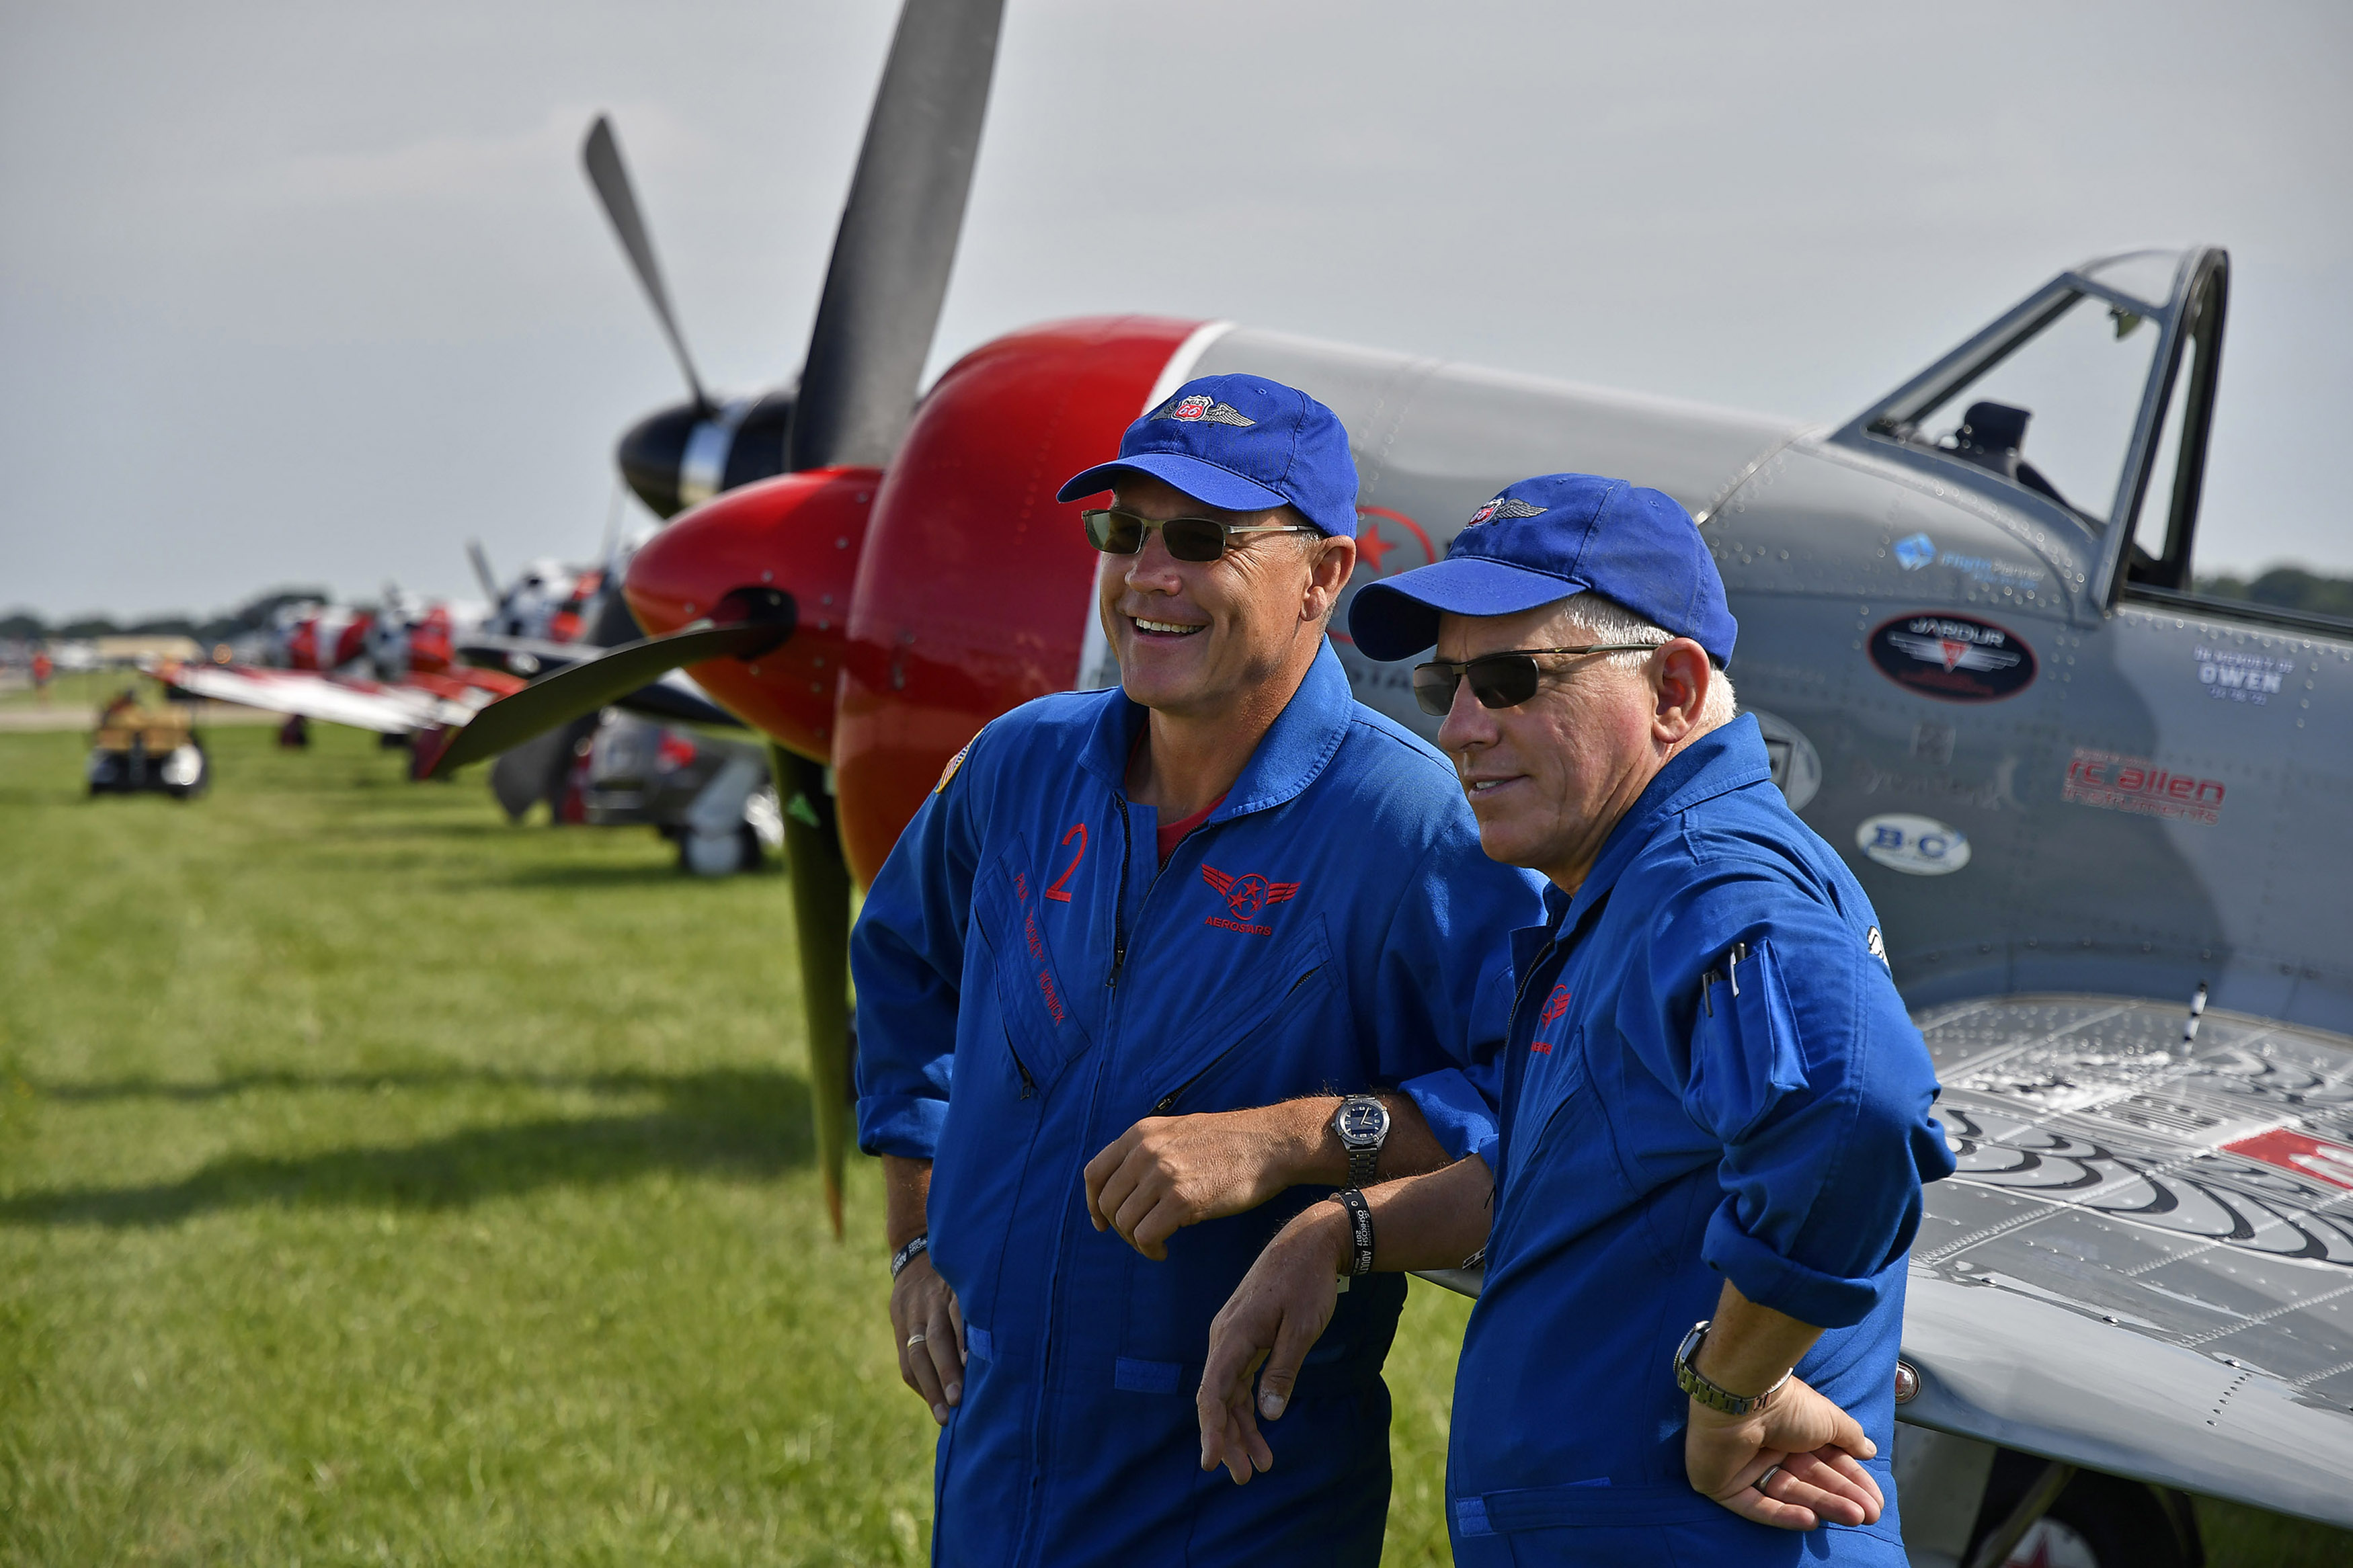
(602, 156)
(898, 236)
(883, 289)
(820, 878)
(482, 573)
(552, 699)
(671, 697)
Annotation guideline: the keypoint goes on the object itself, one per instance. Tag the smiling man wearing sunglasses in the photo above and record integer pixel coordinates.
(1153, 970)
(1715, 1112)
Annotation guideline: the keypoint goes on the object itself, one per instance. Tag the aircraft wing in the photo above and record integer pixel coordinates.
(2145, 1262)
(2144, 1265)
(362, 704)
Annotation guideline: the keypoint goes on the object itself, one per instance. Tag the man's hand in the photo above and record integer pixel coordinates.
(930, 1328)
(1169, 1172)
(1274, 1318)
(1815, 1446)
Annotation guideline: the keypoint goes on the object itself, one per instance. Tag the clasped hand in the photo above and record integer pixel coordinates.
(1816, 1444)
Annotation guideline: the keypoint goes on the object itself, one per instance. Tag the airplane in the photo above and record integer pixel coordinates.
(2094, 809)
(393, 669)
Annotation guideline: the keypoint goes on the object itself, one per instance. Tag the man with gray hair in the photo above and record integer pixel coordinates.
(1713, 1106)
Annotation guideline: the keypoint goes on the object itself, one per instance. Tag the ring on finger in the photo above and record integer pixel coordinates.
(1770, 1471)
(914, 1339)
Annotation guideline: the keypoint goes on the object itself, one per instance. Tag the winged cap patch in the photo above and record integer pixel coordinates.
(1246, 895)
(1200, 407)
(1500, 506)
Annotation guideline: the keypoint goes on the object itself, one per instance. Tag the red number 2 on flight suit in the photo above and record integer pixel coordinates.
(1056, 892)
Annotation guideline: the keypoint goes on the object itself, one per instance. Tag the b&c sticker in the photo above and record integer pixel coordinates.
(1952, 658)
(1916, 845)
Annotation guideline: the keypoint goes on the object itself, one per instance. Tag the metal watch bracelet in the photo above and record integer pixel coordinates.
(908, 1254)
(1714, 1395)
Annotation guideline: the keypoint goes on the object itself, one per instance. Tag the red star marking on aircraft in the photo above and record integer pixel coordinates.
(1370, 545)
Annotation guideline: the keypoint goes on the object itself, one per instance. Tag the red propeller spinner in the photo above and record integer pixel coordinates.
(926, 600)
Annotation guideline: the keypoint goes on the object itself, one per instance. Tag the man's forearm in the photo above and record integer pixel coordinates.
(1312, 1155)
(907, 1190)
(1436, 1220)
(1748, 1346)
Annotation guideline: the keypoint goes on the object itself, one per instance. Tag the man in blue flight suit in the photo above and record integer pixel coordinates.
(1715, 1118)
(1154, 969)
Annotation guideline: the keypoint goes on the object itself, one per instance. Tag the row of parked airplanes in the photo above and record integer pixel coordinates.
(415, 670)
(2087, 800)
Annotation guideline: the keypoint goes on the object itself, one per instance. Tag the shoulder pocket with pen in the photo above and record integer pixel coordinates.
(1746, 1056)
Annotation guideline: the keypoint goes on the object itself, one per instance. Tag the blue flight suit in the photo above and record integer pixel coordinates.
(1031, 983)
(1665, 1128)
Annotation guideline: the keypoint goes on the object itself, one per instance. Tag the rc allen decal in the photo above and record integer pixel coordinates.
(2114, 782)
(1952, 658)
(1245, 896)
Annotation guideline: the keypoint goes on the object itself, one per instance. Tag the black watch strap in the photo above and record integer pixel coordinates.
(908, 1253)
(1360, 1229)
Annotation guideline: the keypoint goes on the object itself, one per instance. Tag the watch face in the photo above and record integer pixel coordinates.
(1362, 1122)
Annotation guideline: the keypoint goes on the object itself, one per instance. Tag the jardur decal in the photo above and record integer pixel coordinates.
(1952, 658)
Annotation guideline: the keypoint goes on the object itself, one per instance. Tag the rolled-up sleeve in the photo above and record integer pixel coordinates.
(906, 955)
(1446, 977)
(1818, 1089)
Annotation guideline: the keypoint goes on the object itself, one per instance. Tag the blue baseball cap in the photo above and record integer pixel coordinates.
(1242, 443)
(1543, 539)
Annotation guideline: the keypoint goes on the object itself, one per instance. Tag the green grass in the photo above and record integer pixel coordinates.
(383, 1183)
(80, 689)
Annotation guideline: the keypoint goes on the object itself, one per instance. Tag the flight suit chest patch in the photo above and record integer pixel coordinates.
(1042, 1030)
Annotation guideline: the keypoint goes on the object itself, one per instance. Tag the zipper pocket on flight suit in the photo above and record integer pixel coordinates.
(1167, 1102)
(1028, 1084)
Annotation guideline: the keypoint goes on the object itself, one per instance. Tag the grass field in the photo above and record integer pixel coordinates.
(381, 1183)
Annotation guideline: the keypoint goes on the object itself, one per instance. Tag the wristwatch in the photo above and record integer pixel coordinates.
(1712, 1396)
(1362, 1125)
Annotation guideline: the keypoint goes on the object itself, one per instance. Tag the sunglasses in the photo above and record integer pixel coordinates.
(1116, 533)
(1497, 679)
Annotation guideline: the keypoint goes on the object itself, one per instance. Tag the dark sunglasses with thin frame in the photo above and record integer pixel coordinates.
(1497, 679)
(1117, 533)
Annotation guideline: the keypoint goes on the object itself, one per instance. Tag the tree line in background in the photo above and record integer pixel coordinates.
(23, 626)
(2284, 587)
(2287, 588)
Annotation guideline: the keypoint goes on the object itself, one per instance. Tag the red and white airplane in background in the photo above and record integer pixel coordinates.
(410, 665)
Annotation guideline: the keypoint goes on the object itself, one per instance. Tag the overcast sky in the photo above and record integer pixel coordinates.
(316, 292)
